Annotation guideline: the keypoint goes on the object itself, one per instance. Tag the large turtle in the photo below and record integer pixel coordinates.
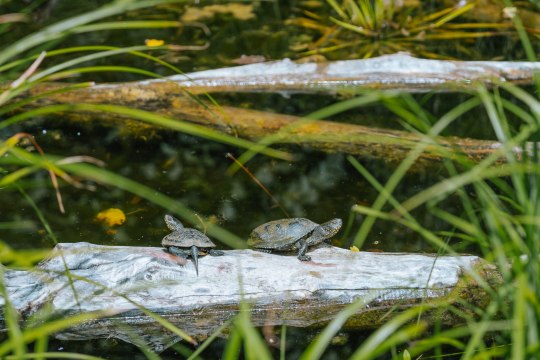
(292, 234)
(186, 242)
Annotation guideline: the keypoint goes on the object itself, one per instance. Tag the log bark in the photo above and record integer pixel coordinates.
(279, 289)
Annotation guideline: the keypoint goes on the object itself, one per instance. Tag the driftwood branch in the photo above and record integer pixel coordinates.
(278, 288)
(390, 72)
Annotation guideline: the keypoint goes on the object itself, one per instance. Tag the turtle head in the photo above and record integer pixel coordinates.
(173, 223)
(324, 232)
(329, 228)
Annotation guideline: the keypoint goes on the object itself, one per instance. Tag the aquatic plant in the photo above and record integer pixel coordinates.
(368, 28)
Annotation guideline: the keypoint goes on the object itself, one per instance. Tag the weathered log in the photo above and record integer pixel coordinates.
(279, 289)
(389, 72)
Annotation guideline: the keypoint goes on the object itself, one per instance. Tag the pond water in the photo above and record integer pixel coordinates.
(193, 171)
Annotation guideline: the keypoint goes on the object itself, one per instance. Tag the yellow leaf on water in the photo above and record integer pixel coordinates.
(153, 42)
(354, 249)
(111, 217)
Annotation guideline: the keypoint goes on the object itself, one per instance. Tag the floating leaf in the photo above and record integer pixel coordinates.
(111, 217)
(153, 42)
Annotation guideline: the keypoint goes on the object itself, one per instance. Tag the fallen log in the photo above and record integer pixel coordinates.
(399, 71)
(279, 289)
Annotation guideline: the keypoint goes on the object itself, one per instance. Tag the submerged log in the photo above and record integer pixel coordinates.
(279, 289)
(169, 100)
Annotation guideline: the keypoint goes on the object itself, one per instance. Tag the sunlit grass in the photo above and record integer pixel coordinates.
(493, 220)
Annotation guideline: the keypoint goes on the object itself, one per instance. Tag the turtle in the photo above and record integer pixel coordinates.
(292, 234)
(185, 242)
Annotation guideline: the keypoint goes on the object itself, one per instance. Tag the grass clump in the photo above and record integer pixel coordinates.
(369, 28)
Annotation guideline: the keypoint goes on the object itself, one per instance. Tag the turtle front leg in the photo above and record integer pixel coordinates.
(213, 252)
(302, 253)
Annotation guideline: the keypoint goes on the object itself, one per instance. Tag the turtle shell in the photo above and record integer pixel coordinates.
(186, 238)
(280, 234)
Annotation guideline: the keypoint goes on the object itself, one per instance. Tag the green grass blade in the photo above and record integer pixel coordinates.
(522, 33)
(337, 8)
(50, 327)
(11, 318)
(102, 69)
(11, 107)
(148, 117)
(93, 48)
(254, 346)
(127, 25)
(389, 334)
(209, 340)
(357, 29)
(405, 165)
(15, 175)
(55, 355)
(283, 343)
(333, 109)
(234, 344)
(51, 234)
(519, 318)
(413, 225)
(454, 14)
(448, 186)
(316, 348)
(64, 27)
(81, 59)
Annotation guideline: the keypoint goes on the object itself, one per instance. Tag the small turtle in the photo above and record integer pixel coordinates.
(292, 234)
(186, 242)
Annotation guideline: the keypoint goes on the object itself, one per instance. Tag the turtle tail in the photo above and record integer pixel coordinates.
(195, 258)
